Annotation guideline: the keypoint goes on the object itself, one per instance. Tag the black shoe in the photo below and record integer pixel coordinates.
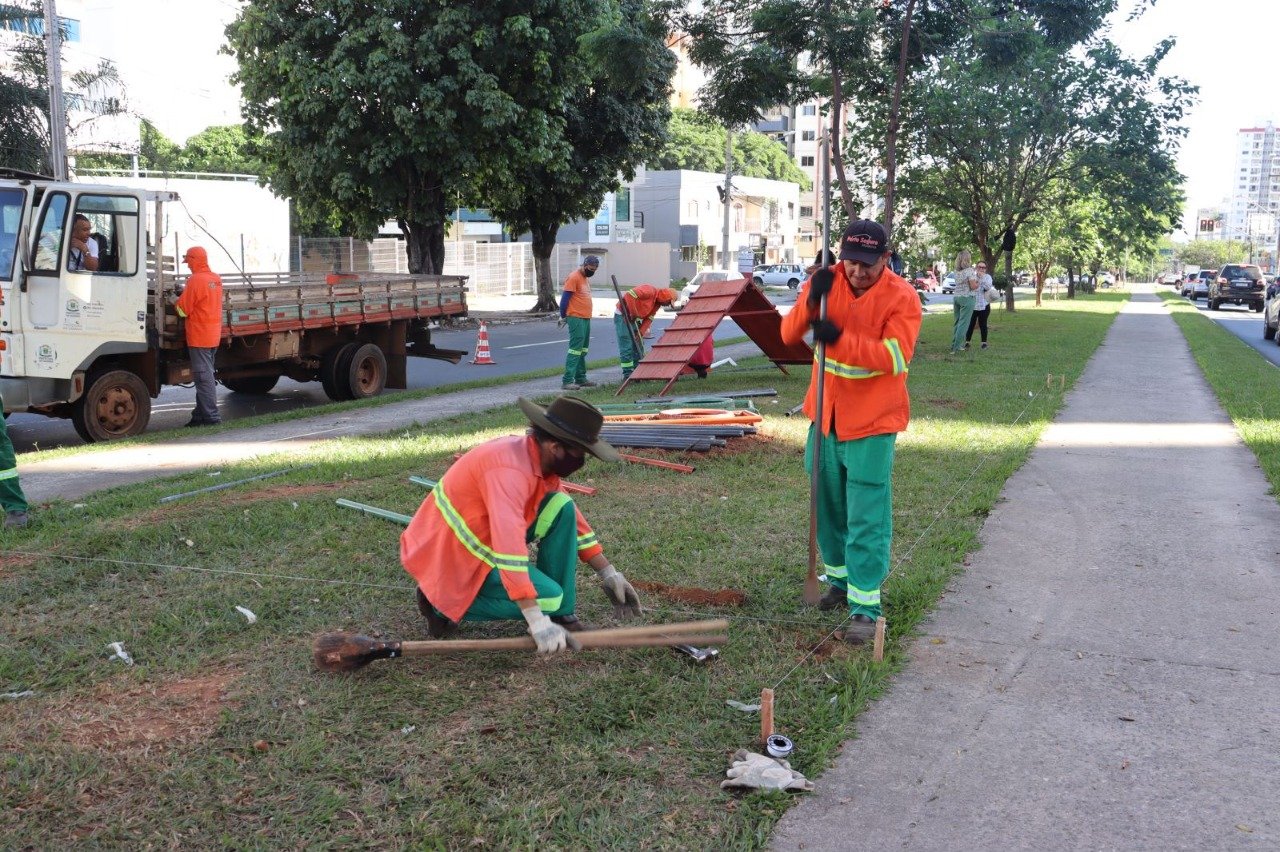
(438, 626)
(569, 622)
(834, 598)
(861, 629)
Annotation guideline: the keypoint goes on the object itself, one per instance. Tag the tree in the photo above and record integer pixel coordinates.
(227, 149)
(695, 141)
(613, 118)
(394, 108)
(1210, 254)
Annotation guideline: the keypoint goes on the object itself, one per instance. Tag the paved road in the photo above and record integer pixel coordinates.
(1244, 324)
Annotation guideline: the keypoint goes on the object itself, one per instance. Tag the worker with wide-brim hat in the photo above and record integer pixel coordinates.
(468, 544)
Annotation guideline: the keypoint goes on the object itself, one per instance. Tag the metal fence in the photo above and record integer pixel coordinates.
(492, 269)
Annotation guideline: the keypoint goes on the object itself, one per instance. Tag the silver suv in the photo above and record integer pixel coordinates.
(1239, 284)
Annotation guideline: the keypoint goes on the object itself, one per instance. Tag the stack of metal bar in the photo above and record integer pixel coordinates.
(665, 435)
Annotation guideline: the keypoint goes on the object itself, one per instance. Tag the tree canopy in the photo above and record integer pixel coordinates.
(695, 141)
(395, 109)
(612, 118)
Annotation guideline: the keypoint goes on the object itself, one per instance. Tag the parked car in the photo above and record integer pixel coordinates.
(948, 283)
(1271, 314)
(1197, 287)
(1171, 279)
(1239, 284)
(698, 280)
(927, 282)
(778, 274)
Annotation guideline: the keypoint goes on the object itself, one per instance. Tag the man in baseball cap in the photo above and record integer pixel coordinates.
(468, 544)
(866, 340)
(575, 310)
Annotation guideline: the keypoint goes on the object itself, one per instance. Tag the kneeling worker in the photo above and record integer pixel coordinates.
(468, 544)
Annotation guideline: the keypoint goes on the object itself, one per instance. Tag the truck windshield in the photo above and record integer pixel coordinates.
(11, 203)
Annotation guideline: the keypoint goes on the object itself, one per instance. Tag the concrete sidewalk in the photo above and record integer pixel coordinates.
(1105, 675)
(74, 477)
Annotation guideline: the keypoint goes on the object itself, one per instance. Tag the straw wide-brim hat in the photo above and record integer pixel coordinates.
(574, 421)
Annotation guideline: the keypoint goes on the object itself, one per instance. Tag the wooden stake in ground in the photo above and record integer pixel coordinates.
(877, 649)
(766, 714)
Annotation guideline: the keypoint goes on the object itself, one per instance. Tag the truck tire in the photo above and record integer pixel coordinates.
(1268, 333)
(334, 367)
(115, 404)
(252, 385)
(366, 372)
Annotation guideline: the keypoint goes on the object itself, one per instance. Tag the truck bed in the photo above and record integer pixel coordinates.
(263, 303)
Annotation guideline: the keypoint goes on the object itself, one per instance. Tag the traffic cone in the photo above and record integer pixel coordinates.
(482, 347)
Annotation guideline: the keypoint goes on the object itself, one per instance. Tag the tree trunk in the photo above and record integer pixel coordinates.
(544, 242)
(1008, 280)
(1071, 281)
(837, 155)
(895, 117)
(424, 244)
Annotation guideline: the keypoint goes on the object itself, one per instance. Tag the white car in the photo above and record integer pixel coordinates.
(778, 275)
(705, 275)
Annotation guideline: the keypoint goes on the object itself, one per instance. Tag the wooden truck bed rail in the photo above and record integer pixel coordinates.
(265, 303)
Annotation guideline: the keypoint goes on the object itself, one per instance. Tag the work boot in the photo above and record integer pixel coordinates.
(587, 384)
(438, 626)
(861, 629)
(834, 598)
(570, 622)
(15, 520)
(571, 386)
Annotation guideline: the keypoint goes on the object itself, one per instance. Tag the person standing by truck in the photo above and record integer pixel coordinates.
(201, 305)
(575, 309)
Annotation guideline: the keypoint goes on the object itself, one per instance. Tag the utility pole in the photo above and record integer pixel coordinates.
(728, 198)
(57, 112)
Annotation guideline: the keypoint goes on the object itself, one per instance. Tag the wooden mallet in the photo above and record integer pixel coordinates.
(345, 652)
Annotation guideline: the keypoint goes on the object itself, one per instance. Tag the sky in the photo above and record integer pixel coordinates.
(1224, 48)
(180, 80)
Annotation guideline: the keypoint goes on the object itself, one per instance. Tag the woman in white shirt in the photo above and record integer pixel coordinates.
(984, 294)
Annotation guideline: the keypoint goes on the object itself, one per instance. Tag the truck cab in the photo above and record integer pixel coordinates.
(60, 317)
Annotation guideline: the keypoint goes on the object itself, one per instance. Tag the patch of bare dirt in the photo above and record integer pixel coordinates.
(144, 716)
(275, 492)
(13, 561)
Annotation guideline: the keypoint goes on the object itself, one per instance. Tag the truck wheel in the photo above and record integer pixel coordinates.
(367, 373)
(334, 367)
(1268, 333)
(116, 404)
(252, 385)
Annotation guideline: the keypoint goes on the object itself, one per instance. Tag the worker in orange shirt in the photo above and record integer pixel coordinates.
(468, 544)
(201, 305)
(575, 309)
(639, 305)
(869, 334)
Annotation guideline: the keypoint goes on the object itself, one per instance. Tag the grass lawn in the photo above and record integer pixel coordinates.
(1247, 386)
(221, 734)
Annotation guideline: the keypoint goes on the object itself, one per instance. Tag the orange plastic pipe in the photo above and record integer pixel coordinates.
(683, 468)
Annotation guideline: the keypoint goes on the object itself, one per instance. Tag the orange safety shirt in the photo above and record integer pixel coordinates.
(579, 286)
(642, 304)
(866, 368)
(201, 302)
(475, 520)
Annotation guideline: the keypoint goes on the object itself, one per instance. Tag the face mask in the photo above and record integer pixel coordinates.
(588, 272)
(567, 465)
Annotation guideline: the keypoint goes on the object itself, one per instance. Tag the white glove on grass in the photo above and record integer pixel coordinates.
(549, 636)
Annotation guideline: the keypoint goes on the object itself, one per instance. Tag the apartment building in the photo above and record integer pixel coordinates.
(1253, 209)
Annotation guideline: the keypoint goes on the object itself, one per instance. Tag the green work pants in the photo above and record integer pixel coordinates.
(855, 514)
(11, 496)
(575, 363)
(628, 356)
(554, 574)
(962, 309)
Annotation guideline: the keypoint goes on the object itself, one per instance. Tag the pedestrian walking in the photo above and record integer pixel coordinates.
(983, 297)
(468, 544)
(963, 299)
(869, 335)
(201, 305)
(575, 310)
(639, 305)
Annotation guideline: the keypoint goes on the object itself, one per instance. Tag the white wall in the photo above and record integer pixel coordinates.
(247, 219)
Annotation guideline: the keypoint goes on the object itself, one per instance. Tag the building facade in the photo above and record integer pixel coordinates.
(1252, 214)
